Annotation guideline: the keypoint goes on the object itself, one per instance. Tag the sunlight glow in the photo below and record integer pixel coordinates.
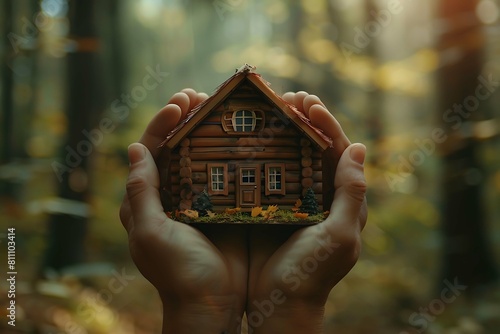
(487, 11)
(314, 6)
(147, 11)
(277, 12)
(54, 8)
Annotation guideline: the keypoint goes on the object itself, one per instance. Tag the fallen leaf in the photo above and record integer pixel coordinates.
(267, 214)
(190, 213)
(297, 205)
(232, 211)
(256, 211)
(301, 215)
(210, 214)
(272, 208)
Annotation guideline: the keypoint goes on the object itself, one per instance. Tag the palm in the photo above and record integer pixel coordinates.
(304, 262)
(179, 258)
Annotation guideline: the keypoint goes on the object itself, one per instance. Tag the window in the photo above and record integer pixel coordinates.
(275, 179)
(244, 121)
(217, 179)
(248, 176)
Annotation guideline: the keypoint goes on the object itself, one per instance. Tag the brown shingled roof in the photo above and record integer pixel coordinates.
(199, 112)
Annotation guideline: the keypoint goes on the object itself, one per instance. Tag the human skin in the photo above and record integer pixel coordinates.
(208, 277)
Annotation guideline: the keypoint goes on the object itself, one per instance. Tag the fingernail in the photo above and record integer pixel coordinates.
(136, 155)
(358, 152)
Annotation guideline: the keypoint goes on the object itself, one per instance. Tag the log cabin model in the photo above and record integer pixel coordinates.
(243, 148)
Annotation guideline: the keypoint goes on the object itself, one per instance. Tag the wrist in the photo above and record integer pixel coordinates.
(291, 317)
(208, 315)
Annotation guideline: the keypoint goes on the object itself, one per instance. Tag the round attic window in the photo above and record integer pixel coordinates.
(244, 121)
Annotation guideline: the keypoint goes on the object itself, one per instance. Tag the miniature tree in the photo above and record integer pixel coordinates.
(309, 203)
(203, 203)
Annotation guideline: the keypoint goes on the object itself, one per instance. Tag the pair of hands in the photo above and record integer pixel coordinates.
(207, 277)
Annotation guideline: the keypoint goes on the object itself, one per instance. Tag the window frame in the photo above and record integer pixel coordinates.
(229, 121)
(225, 176)
(243, 117)
(267, 168)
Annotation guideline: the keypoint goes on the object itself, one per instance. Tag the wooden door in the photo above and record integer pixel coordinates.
(248, 186)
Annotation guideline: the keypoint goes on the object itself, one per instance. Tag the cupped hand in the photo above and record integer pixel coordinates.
(292, 269)
(197, 278)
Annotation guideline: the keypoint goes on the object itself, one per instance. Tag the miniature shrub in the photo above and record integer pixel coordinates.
(309, 203)
(203, 203)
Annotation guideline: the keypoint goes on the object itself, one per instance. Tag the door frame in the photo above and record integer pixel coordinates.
(257, 186)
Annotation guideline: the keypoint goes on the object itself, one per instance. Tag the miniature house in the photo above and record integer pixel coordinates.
(247, 147)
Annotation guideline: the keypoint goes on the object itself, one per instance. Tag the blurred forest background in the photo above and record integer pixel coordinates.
(416, 81)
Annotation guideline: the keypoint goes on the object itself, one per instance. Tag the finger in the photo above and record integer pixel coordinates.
(298, 100)
(309, 101)
(142, 188)
(193, 97)
(201, 97)
(167, 118)
(288, 97)
(159, 127)
(183, 100)
(350, 188)
(321, 118)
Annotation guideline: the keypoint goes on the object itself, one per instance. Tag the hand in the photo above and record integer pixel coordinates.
(292, 270)
(201, 280)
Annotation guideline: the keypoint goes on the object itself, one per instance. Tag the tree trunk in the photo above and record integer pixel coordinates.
(67, 228)
(7, 111)
(467, 256)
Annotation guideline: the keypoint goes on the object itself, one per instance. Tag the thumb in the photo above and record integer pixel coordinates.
(142, 187)
(350, 186)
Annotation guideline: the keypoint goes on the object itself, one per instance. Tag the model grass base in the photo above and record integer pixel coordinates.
(280, 217)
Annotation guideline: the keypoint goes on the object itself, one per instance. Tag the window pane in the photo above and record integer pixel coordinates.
(248, 176)
(274, 178)
(244, 121)
(217, 178)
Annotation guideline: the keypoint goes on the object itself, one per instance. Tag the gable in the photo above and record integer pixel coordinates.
(246, 90)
